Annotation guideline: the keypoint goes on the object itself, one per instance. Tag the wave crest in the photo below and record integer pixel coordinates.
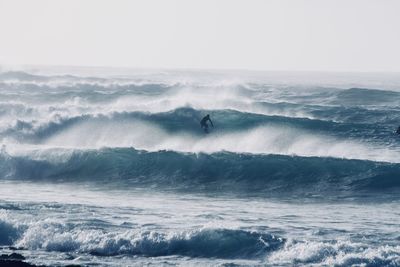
(205, 242)
(259, 175)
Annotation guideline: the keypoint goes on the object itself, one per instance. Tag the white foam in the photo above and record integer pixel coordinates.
(201, 98)
(342, 252)
(215, 96)
(259, 140)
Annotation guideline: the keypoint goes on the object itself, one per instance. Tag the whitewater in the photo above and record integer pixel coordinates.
(110, 167)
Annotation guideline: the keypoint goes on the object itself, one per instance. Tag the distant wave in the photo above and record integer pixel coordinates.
(364, 96)
(123, 94)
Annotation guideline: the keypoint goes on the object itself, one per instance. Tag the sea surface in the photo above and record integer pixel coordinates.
(109, 167)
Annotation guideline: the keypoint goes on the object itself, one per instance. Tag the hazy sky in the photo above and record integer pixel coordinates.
(340, 35)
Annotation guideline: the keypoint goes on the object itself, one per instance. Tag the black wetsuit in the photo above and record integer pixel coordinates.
(203, 123)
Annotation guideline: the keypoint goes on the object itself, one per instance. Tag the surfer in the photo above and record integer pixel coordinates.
(398, 130)
(204, 124)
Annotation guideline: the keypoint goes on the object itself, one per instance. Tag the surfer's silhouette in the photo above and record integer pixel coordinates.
(398, 130)
(204, 124)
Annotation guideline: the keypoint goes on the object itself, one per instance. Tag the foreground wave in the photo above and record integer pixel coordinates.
(208, 243)
(225, 172)
(219, 243)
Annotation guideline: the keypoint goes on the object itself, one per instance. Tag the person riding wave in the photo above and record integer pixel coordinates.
(204, 124)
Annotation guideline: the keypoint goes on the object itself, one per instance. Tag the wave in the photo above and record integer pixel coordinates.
(339, 97)
(152, 98)
(8, 233)
(182, 119)
(35, 113)
(329, 119)
(365, 96)
(118, 94)
(179, 130)
(217, 243)
(335, 253)
(35, 81)
(258, 175)
(203, 242)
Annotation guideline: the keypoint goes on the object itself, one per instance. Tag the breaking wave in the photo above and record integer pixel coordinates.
(337, 253)
(203, 242)
(217, 243)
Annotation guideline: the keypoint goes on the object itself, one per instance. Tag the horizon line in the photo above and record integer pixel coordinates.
(190, 69)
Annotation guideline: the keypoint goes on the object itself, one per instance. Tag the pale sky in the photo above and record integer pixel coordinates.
(317, 35)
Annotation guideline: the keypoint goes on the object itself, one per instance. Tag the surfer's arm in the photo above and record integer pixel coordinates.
(211, 123)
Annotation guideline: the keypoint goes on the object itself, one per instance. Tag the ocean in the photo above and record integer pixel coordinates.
(110, 167)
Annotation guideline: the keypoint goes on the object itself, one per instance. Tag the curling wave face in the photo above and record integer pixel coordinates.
(257, 175)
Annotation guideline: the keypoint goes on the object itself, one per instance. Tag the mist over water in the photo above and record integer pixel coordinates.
(114, 169)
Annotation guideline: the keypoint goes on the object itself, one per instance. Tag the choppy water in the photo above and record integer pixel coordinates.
(113, 169)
